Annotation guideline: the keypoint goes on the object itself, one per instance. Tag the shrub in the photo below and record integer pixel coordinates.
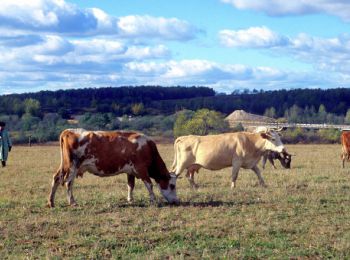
(201, 122)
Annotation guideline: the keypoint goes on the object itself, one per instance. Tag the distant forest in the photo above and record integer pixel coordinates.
(169, 111)
(155, 100)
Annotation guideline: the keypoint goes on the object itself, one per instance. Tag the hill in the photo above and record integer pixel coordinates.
(155, 100)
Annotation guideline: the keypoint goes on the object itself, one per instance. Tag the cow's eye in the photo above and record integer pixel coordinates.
(172, 186)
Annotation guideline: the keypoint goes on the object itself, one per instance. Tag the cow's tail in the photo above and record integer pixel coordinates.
(173, 166)
(66, 158)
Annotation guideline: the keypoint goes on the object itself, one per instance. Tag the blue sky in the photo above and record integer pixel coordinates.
(223, 44)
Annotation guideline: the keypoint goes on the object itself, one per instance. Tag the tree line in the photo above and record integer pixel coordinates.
(155, 100)
(168, 111)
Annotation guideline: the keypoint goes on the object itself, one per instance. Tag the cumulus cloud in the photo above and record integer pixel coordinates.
(204, 72)
(53, 44)
(43, 15)
(327, 54)
(223, 77)
(58, 16)
(47, 42)
(254, 37)
(338, 8)
(148, 26)
(58, 51)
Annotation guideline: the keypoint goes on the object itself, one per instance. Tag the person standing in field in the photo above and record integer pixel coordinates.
(5, 144)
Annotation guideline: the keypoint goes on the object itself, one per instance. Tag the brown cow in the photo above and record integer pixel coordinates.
(215, 152)
(107, 154)
(345, 141)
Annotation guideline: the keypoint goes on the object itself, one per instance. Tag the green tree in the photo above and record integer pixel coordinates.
(95, 121)
(202, 122)
(32, 107)
(270, 112)
(181, 118)
(137, 109)
(347, 117)
(29, 122)
(294, 114)
(322, 114)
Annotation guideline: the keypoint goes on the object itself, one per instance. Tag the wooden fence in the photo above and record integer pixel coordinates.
(289, 125)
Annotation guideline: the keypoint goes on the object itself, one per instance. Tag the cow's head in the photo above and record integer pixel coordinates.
(285, 159)
(273, 140)
(169, 190)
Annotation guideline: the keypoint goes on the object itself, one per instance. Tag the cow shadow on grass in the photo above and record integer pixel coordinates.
(219, 203)
(182, 204)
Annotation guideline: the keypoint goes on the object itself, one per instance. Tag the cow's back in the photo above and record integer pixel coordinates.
(108, 153)
(105, 153)
(216, 151)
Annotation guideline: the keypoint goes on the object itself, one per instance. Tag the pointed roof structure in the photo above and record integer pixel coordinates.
(240, 116)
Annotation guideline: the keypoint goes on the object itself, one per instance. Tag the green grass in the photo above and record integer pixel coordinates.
(303, 213)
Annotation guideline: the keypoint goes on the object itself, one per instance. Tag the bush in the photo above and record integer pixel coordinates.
(201, 122)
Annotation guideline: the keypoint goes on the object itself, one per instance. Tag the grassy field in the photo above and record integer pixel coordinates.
(303, 213)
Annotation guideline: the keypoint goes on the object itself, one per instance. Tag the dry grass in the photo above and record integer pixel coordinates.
(304, 212)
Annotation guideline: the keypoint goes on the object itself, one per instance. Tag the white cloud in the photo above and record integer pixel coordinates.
(196, 72)
(338, 8)
(326, 54)
(102, 46)
(253, 37)
(58, 16)
(53, 52)
(45, 15)
(148, 26)
(52, 44)
(223, 77)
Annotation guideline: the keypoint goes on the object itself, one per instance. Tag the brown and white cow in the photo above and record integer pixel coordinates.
(215, 152)
(284, 158)
(345, 142)
(107, 154)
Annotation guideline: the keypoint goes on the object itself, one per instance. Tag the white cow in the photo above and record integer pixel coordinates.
(215, 152)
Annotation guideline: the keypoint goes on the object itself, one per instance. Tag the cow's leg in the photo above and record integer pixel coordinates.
(190, 177)
(235, 170)
(70, 197)
(54, 186)
(131, 185)
(272, 163)
(191, 170)
(264, 159)
(148, 183)
(343, 155)
(69, 185)
(257, 172)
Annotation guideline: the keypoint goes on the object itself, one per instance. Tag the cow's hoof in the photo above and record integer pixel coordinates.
(153, 203)
(73, 204)
(50, 205)
(175, 203)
